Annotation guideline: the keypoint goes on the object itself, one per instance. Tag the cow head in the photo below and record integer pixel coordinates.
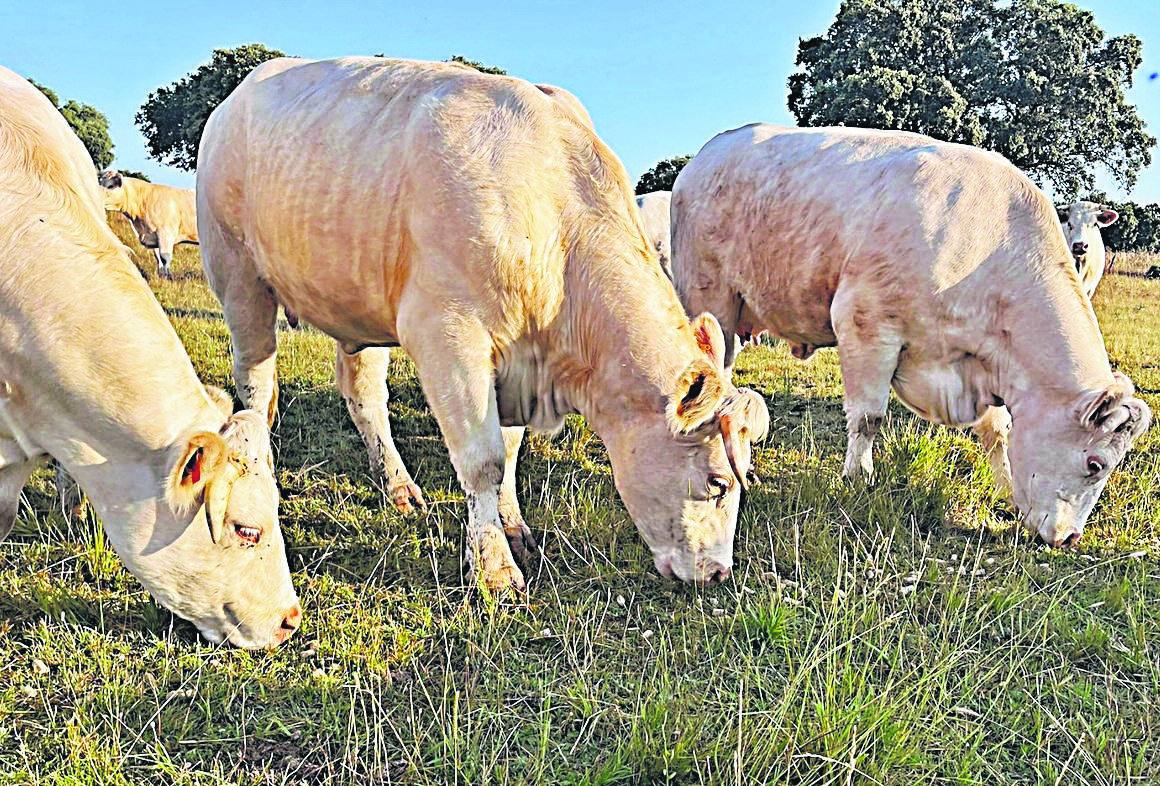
(1081, 224)
(1061, 456)
(681, 471)
(112, 183)
(225, 568)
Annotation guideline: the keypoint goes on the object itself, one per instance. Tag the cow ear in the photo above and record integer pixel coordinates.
(197, 462)
(707, 331)
(111, 179)
(1106, 217)
(695, 397)
(1094, 406)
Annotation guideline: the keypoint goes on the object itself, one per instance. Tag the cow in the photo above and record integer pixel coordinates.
(93, 375)
(654, 212)
(362, 382)
(505, 255)
(162, 216)
(1082, 222)
(869, 240)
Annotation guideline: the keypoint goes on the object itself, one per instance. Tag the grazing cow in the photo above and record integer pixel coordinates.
(162, 216)
(93, 375)
(870, 240)
(1082, 222)
(505, 255)
(654, 212)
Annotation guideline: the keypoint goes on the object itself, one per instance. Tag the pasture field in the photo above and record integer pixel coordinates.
(906, 633)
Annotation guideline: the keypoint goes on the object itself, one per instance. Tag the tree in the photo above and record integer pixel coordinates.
(1035, 80)
(662, 176)
(172, 118)
(1148, 229)
(88, 123)
(478, 66)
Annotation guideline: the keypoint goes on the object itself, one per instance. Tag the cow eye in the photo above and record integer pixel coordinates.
(719, 486)
(250, 535)
(1095, 465)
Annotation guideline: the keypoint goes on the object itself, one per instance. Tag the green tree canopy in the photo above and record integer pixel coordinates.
(88, 123)
(173, 117)
(478, 66)
(1035, 80)
(662, 176)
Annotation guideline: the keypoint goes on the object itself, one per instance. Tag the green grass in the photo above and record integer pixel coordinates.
(907, 633)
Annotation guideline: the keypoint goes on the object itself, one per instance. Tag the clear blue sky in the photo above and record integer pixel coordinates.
(660, 78)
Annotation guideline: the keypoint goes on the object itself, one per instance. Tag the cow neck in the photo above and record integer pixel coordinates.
(132, 198)
(628, 331)
(1050, 346)
(129, 388)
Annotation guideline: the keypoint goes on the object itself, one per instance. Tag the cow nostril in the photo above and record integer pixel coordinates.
(1079, 248)
(289, 624)
(1071, 539)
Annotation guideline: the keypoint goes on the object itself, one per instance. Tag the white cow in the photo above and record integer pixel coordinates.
(654, 212)
(505, 255)
(1082, 222)
(870, 240)
(93, 375)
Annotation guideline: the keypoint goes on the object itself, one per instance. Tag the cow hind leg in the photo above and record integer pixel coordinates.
(458, 379)
(362, 380)
(518, 534)
(993, 429)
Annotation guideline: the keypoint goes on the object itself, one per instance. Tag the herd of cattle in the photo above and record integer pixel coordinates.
(480, 223)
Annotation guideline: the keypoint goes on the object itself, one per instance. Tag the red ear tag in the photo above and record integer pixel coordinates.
(192, 473)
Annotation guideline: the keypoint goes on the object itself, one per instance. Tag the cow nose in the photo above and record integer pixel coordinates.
(1068, 540)
(289, 624)
(718, 575)
(1079, 248)
(665, 566)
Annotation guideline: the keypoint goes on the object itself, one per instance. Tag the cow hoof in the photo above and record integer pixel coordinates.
(520, 540)
(490, 565)
(408, 499)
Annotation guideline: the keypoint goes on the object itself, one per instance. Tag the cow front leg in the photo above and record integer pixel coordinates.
(164, 253)
(362, 380)
(69, 496)
(993, 429)
(458, 379)
(251, 313)
(12, 479)
(518, 534)
(868, 357)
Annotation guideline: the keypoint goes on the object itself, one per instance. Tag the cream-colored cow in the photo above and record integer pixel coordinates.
(162, 216)
(482, 225)
(871, 240)
(1081, 223)
(654, 212)
(93, 375)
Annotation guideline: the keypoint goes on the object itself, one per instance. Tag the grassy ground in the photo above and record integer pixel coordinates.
(904, 634)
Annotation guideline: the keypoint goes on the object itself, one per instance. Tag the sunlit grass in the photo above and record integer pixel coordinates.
(907, 633)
